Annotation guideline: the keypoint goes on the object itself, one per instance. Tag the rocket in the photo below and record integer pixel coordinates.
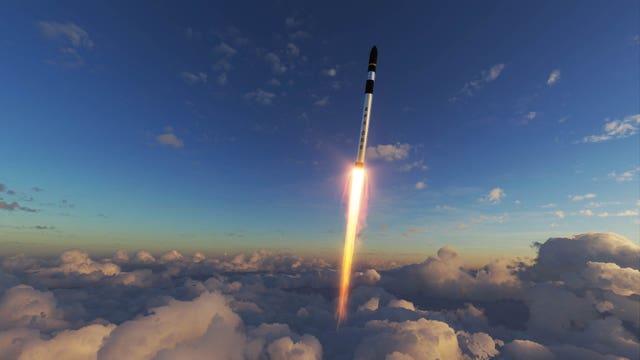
(366, 112)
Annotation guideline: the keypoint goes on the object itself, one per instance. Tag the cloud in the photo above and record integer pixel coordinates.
(528, 117)
(559, 214)
(293, 50)
(390, 152)
(331, 72)
(420, 185)
(71, 33)
(260, 96)
(414, 165)
(554, 77)
(193, 78)
(24, 306)
(14, 206)
(494, 196)
(170, 139)
(610, 276)
(582, 197)
(586, 212)
(73, 41)
(485, 77)
(225, 49)
(421, 339)
(575, 299)
(78, 344)
(324, 101)
(619, 214)
(624, 176)
(277, 67)
(548, 206)
(616, 129)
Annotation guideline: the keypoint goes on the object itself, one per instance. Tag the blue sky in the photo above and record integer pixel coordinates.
(222, 127)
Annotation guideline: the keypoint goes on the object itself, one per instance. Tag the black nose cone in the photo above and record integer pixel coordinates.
(373, 56)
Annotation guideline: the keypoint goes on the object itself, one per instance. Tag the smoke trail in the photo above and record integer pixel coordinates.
(353, 213)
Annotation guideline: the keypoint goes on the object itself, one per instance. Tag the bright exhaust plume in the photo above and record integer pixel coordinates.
(356, 192)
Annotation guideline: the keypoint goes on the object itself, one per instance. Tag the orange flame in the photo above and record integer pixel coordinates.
(353, 212)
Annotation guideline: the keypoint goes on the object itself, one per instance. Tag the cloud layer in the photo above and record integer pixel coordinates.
(577, 299)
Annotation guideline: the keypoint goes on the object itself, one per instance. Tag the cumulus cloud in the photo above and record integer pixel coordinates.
(390, 152)
(168, 138)
(420, 185)
(554, 77)
(494, 196)
(421, 339)
(616, 129)
(576, 299)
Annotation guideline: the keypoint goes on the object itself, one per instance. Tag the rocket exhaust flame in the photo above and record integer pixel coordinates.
(353, 213)
(356, 191)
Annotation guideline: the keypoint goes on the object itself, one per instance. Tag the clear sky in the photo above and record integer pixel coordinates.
(224, 126)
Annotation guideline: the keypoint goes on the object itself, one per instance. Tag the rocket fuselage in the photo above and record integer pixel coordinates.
(366, 112)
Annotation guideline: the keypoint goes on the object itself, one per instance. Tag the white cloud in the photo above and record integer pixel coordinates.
(554, 77)
(73, 41)
(69, 32)
(390, 152)
(582, 197)
(414, 165)
(225, 49)
(586, 212)
(293, 50)
(193, 78)
(624, 176)
(610, 276)
(619, 214)
(277, 66)
(420, 185)
(420, 339)
(494, 196)
(331, 72)
(574, 300)
(548, 206)
(485, 77)
(528, 117)
(260, 96)
(170, 139)
(616, 129)
(560, 214)
(323, 101)
(223, 79)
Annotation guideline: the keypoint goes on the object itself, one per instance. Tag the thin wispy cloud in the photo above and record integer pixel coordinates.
(193, 78)
(485, 77)
(582, 197)
(554, 77)
(73, 42)
(625, 175)
(260, 96)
